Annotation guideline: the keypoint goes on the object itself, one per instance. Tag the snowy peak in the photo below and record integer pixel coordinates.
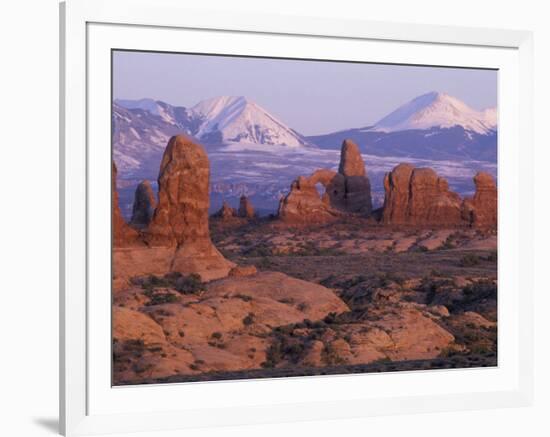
(438, 110)
(222, 120)
(236, 119)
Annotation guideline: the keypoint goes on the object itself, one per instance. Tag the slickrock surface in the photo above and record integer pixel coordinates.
(222, 329)
(144, 205)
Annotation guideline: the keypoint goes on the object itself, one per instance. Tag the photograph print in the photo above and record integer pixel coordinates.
(277, 217)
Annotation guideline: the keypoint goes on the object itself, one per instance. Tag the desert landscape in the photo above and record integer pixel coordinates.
(358, 235)
(327, 285)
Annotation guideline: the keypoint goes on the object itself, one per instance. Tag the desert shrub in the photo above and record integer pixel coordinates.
(244, 297)
(449, 243)
(448, 351)
(480, 349)
(191, 284)
(261, 249)
(384, 360)
(330, 357)
(264, 263)
(161, 298)
(282, 348)
(482, 289)
(329, 281)
(330, 318)
(469, 260)
(249, 319)
(352, 282)
(431, 286)
(287, 300)
(418, 249)
(134, 345)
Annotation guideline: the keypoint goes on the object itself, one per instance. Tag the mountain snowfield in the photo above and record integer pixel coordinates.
(229, 119)
(438, 110)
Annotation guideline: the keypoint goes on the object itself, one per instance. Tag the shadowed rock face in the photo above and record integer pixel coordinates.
(357, 185)
(418, 196)
(144, 205)
(347, 191)
(481, 210)
(246, 209)
(123, 234)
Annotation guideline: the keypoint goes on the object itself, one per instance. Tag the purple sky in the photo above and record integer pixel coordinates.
(311, 97)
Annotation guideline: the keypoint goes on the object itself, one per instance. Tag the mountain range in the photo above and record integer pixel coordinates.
(250, 147)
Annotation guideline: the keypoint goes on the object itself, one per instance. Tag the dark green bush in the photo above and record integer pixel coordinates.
(469, 260)
(191, 284)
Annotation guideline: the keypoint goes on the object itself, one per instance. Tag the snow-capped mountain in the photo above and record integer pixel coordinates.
(222, 120)
(142, 128)
(438, 110)
(432, 126)
(229, 119)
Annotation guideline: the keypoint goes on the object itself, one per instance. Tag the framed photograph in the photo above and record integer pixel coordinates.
(270, 218)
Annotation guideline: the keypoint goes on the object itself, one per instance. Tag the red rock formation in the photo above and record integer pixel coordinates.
(357, 185)
(417, 196)
(246, 210)
(144, 205)
(123, 234)
(178, 236)
(351, 162)
(304, 204)
(345, 191)
(182, 211)
(481, 210)
(226, 212)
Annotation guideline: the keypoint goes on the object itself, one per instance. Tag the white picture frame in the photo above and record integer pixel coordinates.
(88, 404)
